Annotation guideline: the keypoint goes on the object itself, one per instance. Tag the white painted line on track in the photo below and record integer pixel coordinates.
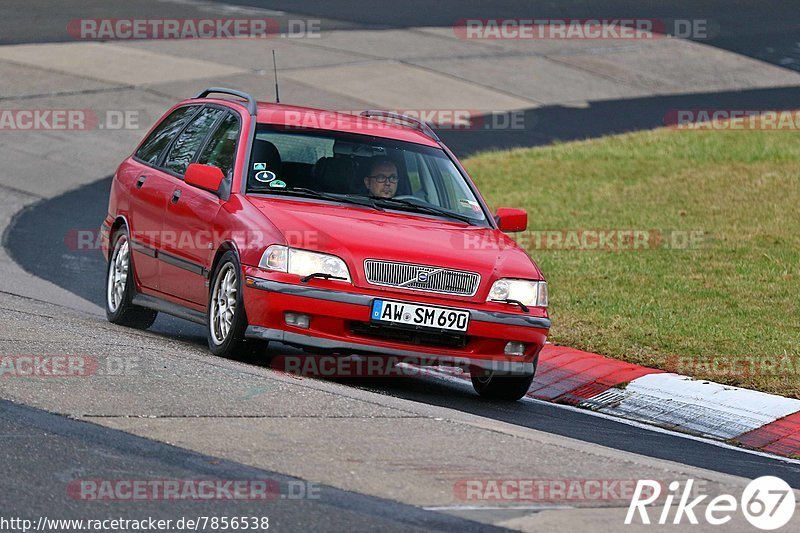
(497, 507)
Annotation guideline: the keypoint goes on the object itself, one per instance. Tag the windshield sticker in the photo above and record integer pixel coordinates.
(278, 184)
(470, 204)
(259, 166)
(265, 176)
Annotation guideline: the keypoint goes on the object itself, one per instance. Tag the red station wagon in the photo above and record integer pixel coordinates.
(335, 233)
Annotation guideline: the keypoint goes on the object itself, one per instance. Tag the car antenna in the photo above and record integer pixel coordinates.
(275, 70)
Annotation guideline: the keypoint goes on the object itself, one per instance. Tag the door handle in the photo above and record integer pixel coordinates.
(176, 195)
(140, 181)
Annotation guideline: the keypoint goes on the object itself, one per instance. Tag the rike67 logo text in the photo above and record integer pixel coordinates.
(767, 503)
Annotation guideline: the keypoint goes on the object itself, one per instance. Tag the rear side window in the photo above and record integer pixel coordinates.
(155, 143)
(190, 139)
(221, 148)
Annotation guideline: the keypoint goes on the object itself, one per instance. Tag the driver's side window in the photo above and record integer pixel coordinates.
(190, 139)
(221, 148)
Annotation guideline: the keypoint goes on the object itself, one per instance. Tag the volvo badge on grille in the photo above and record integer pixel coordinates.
(421, 277)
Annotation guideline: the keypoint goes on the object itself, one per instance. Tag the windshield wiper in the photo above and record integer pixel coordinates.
(426, 209)
(510, 301)
(323, 275)
(357, 200)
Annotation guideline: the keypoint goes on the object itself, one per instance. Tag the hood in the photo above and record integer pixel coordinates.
(357, 233)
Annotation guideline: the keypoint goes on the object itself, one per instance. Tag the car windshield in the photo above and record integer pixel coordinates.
(371, 171)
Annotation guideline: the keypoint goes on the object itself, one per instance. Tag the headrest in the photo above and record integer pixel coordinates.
(335, 174)
(266, 152)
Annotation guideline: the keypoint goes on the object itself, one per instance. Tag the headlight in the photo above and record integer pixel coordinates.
(302, 262)
(533, 293)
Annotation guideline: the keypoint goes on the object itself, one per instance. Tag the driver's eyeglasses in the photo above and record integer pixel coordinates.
(383, 179)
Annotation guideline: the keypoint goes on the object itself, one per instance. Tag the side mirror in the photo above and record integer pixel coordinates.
(510, 219)
(204, 177)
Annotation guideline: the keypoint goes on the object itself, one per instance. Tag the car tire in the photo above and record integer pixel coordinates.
(226, 320)
(499, 387)
(121, 287)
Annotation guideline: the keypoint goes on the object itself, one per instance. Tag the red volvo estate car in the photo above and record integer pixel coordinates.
(334, 233)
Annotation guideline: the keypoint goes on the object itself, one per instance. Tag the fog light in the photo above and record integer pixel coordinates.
(297, 319)
(515, 348)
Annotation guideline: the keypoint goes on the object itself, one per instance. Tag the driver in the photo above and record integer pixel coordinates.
(381, 179)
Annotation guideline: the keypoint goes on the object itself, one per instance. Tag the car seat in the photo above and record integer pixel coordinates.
(334, 174)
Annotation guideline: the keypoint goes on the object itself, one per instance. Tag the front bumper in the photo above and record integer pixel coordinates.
(334, 315)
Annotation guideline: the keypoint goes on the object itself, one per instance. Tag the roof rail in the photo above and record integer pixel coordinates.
(252, 107)
(409, 121)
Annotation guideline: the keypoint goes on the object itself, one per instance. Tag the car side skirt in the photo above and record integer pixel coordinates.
(170, 308)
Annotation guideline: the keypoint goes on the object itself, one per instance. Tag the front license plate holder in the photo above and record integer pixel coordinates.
(419, 316)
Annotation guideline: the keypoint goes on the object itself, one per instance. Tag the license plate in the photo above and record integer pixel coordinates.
(427, 316)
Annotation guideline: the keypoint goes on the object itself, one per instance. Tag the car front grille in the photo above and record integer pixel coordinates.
(421, 277)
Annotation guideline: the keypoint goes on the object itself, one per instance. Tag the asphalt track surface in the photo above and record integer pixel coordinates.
(64, 446)
(38, 231)
(765, 30)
